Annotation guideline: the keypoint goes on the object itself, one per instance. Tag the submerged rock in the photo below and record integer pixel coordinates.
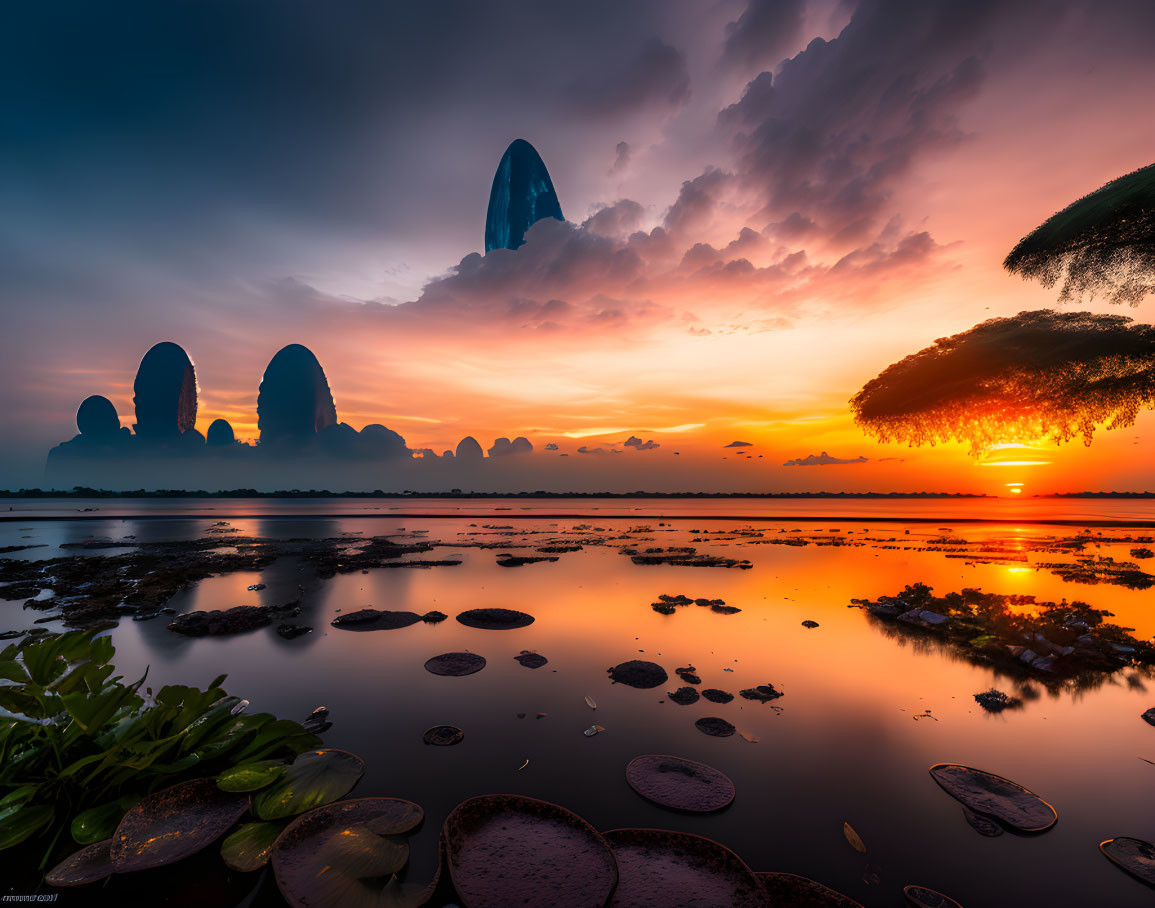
(638, 673)
(715, 727)
(214, 623)
(683, 696)
(495, 619)
(717, 696)
(763, 693)
(290, 631)
(444, 735)
(371, 619)
(688, 675)
(531, 660)
(455, 664)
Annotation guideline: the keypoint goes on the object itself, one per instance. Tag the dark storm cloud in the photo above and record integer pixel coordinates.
(822, 460)
(657, 77)
(763, 33)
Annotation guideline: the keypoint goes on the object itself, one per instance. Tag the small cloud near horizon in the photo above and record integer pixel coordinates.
(739, 444)
(634, 442)
(821, 460)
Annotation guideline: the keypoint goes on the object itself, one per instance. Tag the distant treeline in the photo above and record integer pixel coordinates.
(81, 492)
(1098, 495)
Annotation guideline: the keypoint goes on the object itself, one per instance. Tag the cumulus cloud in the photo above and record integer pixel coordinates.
(551, 446)
(821, 460)
(655, 77)
(763, 33)
(739, 444)
(1041, 375)
(586, 449)
(638, 445)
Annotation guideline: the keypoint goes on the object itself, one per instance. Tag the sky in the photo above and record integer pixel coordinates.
(766, 204)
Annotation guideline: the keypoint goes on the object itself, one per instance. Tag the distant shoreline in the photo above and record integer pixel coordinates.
(296, 494)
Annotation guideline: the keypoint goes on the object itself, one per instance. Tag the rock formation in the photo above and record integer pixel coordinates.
(522, 195)
(165, 393)
(220, 433)
(96, 418)
(469, 449)
(294, 402)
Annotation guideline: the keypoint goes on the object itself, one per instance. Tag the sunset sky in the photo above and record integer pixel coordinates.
(767, 203)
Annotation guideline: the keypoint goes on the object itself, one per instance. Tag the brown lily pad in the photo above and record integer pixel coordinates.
(531, 660)
(714, 727)
(1133, 855)
(922, 897)
(444, 735)
(683, 696)
(88, 865)
(455, 664)
(344, 855)
(638, 673)
(504, 850)
(763, 693)
(717, 696)
(792, 891)
(169, 825)
(657, 867)
(993, 796)
(981, 824)
(371, 619)
(495, 619)
(680, 784)
(248, 847)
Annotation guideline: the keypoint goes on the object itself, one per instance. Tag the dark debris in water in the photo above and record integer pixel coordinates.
(715, 727)
(638, 673)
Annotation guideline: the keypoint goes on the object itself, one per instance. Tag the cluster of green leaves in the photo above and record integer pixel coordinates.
(78, 747)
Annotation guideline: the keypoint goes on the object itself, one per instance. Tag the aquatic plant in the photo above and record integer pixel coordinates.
(79, 748)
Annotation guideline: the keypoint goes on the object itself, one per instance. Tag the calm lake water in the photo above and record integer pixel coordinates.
(865, 712)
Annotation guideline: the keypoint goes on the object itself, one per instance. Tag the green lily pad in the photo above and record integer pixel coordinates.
(251, 776)
(337, 855)
(249, 847)
(169, 825)
(315, 778)
(88, 865)
(99, 823)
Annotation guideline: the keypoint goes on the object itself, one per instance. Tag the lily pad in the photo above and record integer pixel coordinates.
(251, 776)
(922, 897)
(371, 619)
(506, 850)
(688, 674)
(343, 855)
(714, 727)
(657, 867)
(639, 674)
(1133, 855)
(683, 696)
(248, 848)
(717, 696)
(794, 891)
(99, 823)
(531, 660)
(991, 795)
(455, 664)
(315, 778)
(763, 693)
(680, 784)
(444, 735)
(495, 619)
(169, 825)
(88, 865)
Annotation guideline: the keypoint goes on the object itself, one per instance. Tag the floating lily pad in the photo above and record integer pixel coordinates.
(504, 850)
(683, 696)
(99, 823)
(248, 848)
(343, 855)
(688, 674)
(87, 865)
(251, 776)
(639, 673)
(714, 727)
(680, 784)
(455, 664)
(495, 619)
(921, 897)
(717, 696)
(982, 825)
(371, 619)
(531, 660)
(169, 825)
(788, 889)
(1133, 855)
(315, 778)
(444, 735)
(657, 867)
(994, 796)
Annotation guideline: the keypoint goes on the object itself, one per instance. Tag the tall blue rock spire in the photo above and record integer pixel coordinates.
(522, 195)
